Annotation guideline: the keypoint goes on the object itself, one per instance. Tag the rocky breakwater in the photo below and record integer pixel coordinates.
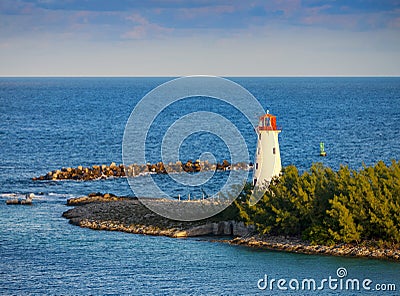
(113, 170)
(108, 212)
(85, 173)
(296, 245)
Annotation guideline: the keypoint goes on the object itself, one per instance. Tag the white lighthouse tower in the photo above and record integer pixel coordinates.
(268, 157)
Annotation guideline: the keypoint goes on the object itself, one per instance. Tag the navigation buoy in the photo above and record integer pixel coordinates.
(322, 151)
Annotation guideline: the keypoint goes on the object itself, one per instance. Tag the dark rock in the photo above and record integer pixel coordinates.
(116, 171)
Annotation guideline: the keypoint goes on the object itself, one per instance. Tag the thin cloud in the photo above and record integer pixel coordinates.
(144, 29)
(230, 36)
(207, 11)
(177, 16)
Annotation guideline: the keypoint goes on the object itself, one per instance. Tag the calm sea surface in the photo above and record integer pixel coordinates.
(49, 123)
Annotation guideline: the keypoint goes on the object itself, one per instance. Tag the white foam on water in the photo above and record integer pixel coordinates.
(38, 196)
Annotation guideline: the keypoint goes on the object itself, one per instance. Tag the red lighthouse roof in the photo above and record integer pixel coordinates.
(267, 122)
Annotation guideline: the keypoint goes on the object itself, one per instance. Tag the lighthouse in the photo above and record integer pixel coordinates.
(268, 158)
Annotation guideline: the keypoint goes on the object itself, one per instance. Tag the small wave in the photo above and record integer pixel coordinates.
(58, 196)
(38, 196)
(10, 195)
(7, 167)
(16, 195)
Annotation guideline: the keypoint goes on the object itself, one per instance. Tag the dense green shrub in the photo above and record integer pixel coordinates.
(328, 207)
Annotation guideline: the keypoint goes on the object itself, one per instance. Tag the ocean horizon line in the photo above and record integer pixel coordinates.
(177, 76)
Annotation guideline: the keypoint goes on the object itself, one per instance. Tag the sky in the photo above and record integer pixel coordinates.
(203, 37)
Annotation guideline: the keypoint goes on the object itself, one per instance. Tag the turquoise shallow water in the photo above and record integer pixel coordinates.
(49, 123)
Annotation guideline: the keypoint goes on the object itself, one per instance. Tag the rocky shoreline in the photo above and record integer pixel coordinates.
(296, 245)
(109, 212)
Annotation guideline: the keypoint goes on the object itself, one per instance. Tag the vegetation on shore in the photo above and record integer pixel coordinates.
(321, 211)
(328, 207)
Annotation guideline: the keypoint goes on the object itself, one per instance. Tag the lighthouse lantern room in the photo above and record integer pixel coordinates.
(267, 159)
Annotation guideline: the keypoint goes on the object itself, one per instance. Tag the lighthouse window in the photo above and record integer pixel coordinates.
(259, 136)
(274, 150)
(257, 166)
(255, 181)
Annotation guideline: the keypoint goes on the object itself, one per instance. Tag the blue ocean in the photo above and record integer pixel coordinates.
(50, 123)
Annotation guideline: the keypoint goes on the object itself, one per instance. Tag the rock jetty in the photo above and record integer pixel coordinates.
(85, 173)
(113, 170)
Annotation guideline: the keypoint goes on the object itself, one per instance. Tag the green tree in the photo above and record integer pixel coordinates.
(325, 206)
